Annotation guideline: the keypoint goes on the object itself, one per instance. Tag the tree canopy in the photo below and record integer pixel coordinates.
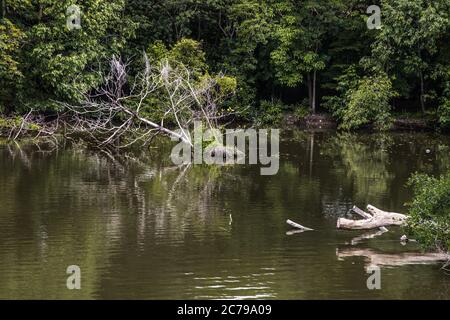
(310, 54)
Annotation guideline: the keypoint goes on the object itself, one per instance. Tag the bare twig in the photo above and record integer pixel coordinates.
(116, 111)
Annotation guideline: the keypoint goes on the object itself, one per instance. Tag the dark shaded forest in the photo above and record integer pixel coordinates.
(273, 57)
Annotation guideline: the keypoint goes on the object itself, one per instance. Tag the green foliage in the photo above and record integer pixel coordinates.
(265, 48)
(11, 37)
(444, 108)
(366, 101)
(185, 52)
(300, 33)
(429, 212)
(245, 49)
(346, 82)
(6, 124)
(269, 113)
(301, 110)
(59, 64)
(189, 53)
(444, 113)
(227, 85)
(409, 45)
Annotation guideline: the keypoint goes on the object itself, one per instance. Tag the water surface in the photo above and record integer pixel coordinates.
(148, 230)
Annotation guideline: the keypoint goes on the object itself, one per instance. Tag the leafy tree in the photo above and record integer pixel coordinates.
(271, 113)
(300, 32)
(444, 106)
(246, 51)
(11, 37)
(320, 51)
(362, 101)
(368, 103)
(410, 39)
(430, 210)
(58, 63)
(186, 51)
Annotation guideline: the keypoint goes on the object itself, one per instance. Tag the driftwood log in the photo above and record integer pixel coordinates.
(298, 226)
(376, 218)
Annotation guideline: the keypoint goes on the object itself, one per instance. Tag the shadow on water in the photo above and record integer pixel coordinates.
(141, 228)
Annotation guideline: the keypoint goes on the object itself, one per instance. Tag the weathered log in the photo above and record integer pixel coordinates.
(384, 259)
(366, 215)
(364, 224)
(298, 226)
(363, 214)
(397, 218)
(377, 219)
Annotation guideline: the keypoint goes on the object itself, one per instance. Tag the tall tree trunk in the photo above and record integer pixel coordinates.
(313, 106)
(422, 92)
(310, 90)
(422, 89)
(311, 153)
(3, 9)
(40, 13)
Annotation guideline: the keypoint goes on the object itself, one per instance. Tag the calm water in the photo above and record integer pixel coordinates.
(149, 231)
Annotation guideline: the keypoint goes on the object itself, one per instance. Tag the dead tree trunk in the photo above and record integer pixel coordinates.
(310, 93)
(311, 84)
(377, 219)
(422, 92)
(365, 215)
(313, 107)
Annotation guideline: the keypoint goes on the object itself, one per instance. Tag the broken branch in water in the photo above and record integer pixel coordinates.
(298, 226)
(116, 113)
(365, 215)
(376, 218)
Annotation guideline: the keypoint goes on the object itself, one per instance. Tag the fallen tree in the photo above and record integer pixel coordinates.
(117, 113)
(164, 98)
(375, 218)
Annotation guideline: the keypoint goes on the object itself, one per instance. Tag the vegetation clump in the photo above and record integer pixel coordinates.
(429, 211)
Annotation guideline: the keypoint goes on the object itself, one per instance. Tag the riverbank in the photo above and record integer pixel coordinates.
(14, 127)
(326, 121)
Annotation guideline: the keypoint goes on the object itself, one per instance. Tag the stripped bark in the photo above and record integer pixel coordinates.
(365, 215)
(376, 218)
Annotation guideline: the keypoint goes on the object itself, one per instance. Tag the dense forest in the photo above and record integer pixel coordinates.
(302, 57)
